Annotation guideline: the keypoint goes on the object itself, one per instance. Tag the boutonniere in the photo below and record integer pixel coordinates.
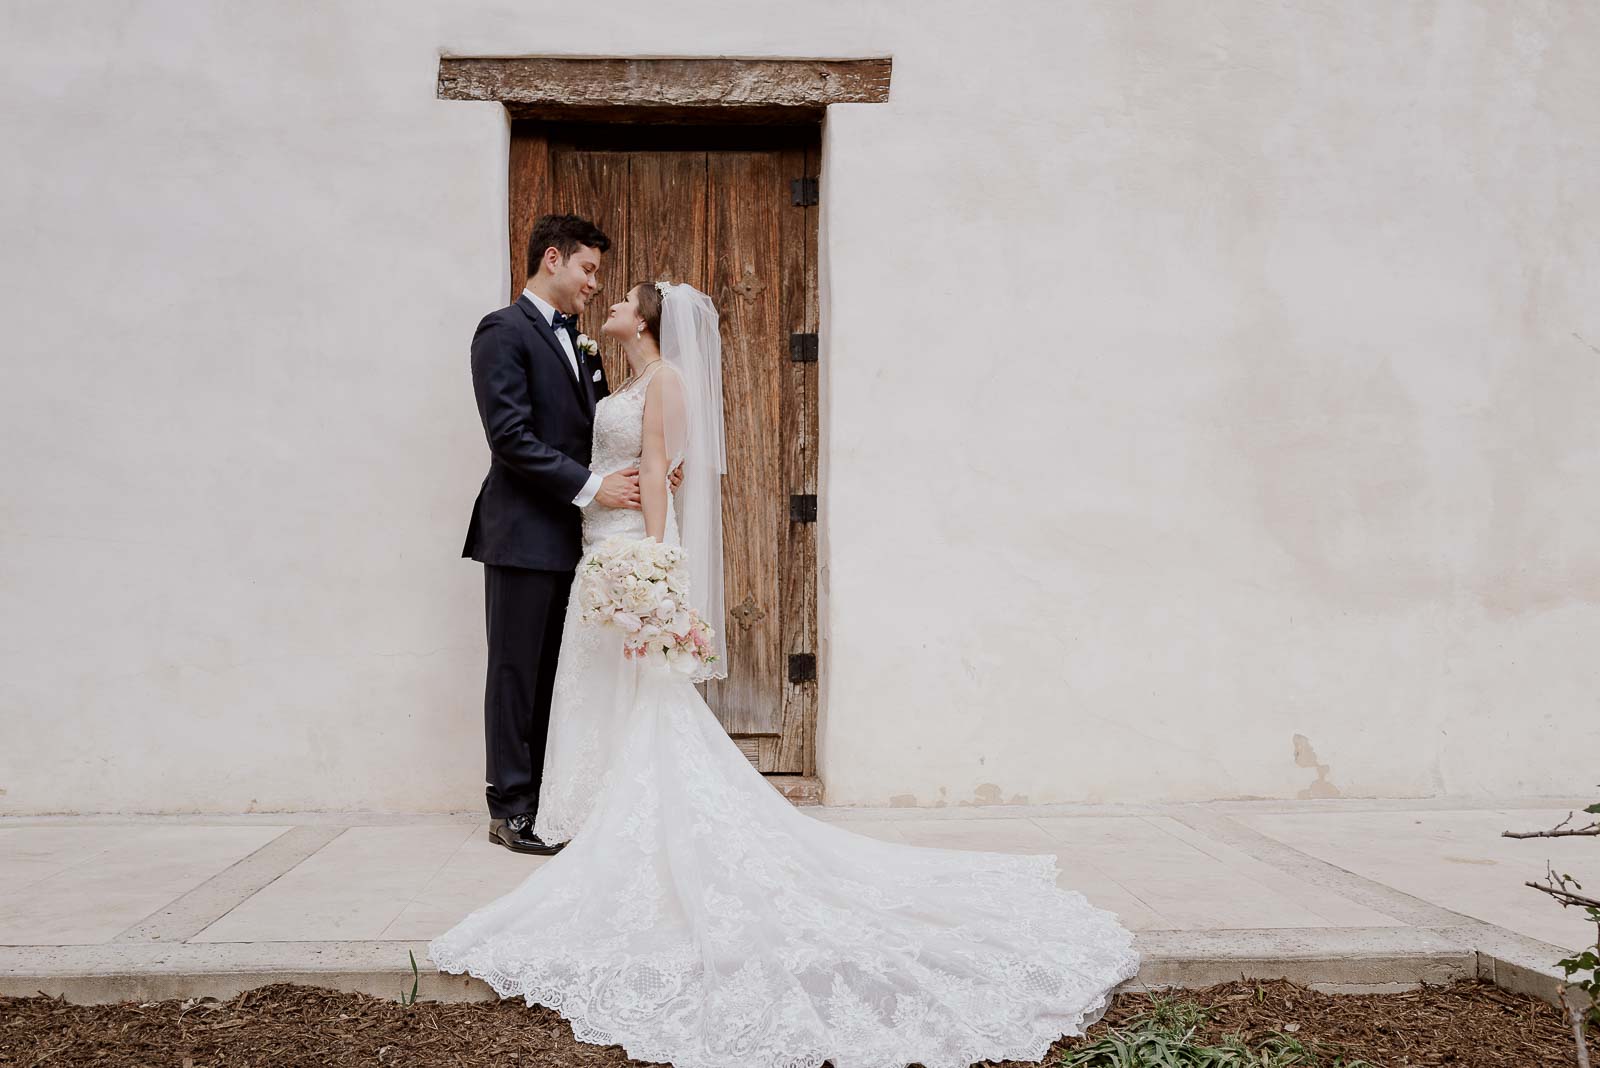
(588, 345)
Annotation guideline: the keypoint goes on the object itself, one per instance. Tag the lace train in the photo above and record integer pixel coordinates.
(697, 918)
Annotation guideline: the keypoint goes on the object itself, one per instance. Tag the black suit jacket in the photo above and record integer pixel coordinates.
(539, 422)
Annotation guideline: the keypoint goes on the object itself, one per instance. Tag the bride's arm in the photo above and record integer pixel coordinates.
(663, 420)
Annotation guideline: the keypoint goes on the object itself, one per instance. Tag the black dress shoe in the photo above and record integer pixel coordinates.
(516, 834)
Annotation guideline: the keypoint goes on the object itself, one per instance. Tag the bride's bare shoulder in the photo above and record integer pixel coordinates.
(665, 380)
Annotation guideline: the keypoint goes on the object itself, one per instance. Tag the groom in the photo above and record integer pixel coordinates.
(536, 396)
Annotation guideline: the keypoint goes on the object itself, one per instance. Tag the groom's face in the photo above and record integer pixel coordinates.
(576, 279)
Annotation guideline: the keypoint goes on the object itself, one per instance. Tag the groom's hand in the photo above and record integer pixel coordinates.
(677, 477)
(620, 489)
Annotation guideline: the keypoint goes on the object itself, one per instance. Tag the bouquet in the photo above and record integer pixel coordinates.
(638, 585)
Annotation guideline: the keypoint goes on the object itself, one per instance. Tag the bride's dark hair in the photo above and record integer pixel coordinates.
(650, 308)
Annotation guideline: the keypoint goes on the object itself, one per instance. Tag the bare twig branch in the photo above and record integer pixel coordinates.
(1575, 1016)
(1591, 831)
(1566, 897)
(1560, 830)
(1564, 889)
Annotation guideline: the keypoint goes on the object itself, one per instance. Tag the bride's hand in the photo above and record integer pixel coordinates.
(676, 477)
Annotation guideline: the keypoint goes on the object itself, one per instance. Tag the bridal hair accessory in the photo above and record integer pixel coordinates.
(640, 587)
(662, 287)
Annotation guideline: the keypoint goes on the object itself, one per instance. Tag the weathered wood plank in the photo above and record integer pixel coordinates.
(529, 194)
(743, 239)
(671, 83)
(595, 185)
(795, 750)
(812, 573)
(799, 789)
(667, 215)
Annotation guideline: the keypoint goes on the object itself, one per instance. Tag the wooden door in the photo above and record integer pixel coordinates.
(725, 210)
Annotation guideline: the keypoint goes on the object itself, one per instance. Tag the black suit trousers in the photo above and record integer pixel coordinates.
(524, 611)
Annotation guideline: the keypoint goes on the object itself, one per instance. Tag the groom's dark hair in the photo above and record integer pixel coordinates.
(564, 233)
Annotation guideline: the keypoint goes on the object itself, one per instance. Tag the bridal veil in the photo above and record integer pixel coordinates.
(691, 344)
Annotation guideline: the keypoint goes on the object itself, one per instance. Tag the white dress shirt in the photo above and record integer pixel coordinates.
(590, 488)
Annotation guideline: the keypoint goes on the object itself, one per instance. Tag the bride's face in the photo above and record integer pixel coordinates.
(623, 320)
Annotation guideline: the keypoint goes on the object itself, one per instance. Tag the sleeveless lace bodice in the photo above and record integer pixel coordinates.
(618, 444)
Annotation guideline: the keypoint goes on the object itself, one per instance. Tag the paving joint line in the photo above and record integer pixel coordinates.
(187, 915)
(1290, 860)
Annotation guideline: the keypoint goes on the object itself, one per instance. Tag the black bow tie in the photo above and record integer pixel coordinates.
(564, 322)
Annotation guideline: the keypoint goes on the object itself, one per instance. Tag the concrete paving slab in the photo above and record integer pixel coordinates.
(474, 875)
(84, 885)
(187, 916)
(1365, 895)
(1456, 859)
(1322, 901)
(1002, 836)
(351, 889)
(1189, 888)
(1214, 823)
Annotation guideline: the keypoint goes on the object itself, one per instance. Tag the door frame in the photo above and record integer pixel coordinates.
(669, 99)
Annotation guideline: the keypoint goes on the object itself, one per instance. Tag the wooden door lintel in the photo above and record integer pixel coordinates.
(713, 87)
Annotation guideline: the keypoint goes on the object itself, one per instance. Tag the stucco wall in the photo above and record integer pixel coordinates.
(1284, 424)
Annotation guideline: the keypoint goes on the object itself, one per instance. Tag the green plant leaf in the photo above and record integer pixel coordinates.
(416, 978)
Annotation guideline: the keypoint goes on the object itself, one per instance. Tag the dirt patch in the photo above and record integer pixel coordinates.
(1472, 1024)
(286, 1026)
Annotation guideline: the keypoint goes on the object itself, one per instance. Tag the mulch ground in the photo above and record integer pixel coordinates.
(286, 1026)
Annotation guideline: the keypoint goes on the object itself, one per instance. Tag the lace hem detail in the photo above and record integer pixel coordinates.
(1031, 1047)
(657, 1008)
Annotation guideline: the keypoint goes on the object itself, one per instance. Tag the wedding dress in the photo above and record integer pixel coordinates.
(697, 918)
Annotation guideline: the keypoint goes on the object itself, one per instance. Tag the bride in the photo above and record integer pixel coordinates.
(695, 917)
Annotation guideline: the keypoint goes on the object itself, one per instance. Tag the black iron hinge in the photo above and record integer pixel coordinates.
(802, 667)
(803, 192)
(803, 508)
(803, 348)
